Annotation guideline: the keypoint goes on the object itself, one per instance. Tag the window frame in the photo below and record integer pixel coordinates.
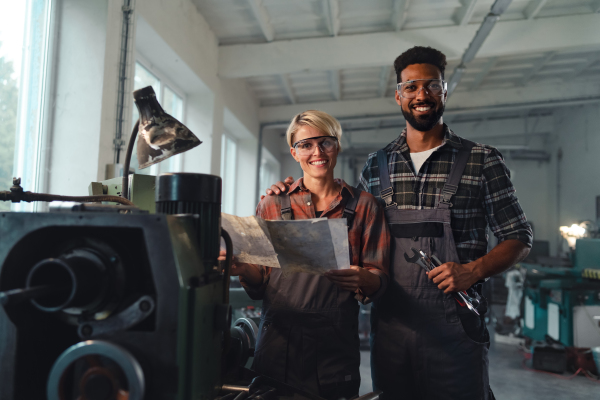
(31, 153)
(226, 136)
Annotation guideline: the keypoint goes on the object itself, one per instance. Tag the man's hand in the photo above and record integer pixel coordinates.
(279, 187)
(355, 278)
(453, 277)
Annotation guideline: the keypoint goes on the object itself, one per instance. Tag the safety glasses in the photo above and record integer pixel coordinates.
(306, 147)
(411, 89)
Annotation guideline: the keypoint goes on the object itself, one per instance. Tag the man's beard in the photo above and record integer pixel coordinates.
(426, 122)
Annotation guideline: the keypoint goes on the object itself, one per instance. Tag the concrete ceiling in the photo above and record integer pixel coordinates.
(337, 55)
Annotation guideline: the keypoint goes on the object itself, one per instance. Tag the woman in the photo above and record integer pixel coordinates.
(308, 336)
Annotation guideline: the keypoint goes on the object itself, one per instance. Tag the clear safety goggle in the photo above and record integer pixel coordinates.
(306, 147)
(411, 89)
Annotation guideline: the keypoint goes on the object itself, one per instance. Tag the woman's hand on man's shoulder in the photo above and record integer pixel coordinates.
(279, 187)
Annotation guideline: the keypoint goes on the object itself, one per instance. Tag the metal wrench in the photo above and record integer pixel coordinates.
(474, 302)
(421, 259)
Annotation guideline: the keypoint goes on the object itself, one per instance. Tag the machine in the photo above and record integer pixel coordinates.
(96, 301)
(563, 301)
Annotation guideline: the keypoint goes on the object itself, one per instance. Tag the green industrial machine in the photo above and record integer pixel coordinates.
(96, 301)
(563, 302)
(141, 190)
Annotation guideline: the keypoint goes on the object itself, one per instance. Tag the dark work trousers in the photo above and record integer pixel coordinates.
(423, 344)
(314, 349)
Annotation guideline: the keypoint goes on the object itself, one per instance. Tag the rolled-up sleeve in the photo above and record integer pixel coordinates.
(503, 211)
(375, 248)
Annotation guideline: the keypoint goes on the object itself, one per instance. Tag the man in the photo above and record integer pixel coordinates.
(440, 192)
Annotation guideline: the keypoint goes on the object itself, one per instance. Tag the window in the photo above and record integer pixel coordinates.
(270, 171)
(171, 101)
(24, 48)
(228, 172)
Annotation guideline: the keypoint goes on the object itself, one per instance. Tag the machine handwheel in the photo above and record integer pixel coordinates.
(96, 370)
(250, 329)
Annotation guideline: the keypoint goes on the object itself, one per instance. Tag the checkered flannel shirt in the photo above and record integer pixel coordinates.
(485, 193)
(368, 237)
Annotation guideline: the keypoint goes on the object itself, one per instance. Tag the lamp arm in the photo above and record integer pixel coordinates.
(125, 184)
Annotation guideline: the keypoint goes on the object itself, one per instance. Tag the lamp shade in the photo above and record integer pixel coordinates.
(160, 136)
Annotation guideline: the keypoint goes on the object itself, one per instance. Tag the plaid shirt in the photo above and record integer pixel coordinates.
(485, 194)
(368, 237)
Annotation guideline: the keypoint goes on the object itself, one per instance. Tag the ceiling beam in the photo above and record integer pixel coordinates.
(533, 8)
(483, 73)
(517, 98)
(464, 14)
(379, 49)
(262, 16)
(486, 27)
(481, 129)
(336, 84)
(384, 78)
(539, 64)
(331, 11)
(583, 66)
(400, 13)
(287, 87)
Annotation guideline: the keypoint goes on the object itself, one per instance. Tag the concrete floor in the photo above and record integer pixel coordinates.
(509, 380)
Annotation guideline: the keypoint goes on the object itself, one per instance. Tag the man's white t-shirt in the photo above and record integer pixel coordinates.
(418, 159)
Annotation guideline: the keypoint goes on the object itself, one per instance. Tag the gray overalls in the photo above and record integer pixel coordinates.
(308, 335)
(419, 349)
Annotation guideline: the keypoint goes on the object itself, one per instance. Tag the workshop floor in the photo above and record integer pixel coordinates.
(509, 380)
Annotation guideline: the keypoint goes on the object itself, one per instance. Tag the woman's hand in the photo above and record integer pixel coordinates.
(355, 278)
(248, 272)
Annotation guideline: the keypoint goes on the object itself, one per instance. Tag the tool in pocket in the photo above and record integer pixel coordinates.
(428, 263)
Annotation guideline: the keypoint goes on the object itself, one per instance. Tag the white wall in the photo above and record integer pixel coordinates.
(230, 105)
(78, 97)
(532, 183)
(577, 134)
(174, 37)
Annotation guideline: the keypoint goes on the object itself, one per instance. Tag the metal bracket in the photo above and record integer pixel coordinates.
(127, 318)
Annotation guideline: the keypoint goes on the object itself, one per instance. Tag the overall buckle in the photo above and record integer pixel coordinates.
(388, 196)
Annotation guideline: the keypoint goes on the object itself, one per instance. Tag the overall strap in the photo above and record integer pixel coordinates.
(351, 206)
(286, 207)
(386, 192)
(456, 172)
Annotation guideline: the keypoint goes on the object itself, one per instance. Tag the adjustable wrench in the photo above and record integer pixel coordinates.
(428, 263)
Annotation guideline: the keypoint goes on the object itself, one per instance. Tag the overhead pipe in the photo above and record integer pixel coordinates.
(126, 33)
(483, 32)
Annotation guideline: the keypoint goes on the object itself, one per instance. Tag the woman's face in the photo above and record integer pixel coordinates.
(318, 164)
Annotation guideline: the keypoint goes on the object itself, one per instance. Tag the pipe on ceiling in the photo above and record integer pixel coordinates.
(483, 32)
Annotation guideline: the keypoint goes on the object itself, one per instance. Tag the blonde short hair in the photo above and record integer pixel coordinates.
(325, 123)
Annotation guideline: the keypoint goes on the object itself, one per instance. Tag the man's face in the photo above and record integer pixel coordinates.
(424, 111)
